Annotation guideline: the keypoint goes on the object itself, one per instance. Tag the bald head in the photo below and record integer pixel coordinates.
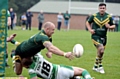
(48, 24)
(49, 28)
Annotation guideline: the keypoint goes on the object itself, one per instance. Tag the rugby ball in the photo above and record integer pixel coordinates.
(78, 50)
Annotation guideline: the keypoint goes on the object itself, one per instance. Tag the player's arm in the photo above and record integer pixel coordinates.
(92, 31)
(15, 42)
(34, 77)
(112, 26)
(57, 51)
(109, 26)
(88, 24)
(32, 73)
(53, 49)
(9, 39)
(49, 54)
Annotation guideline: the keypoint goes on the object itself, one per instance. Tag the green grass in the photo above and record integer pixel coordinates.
(66, 40)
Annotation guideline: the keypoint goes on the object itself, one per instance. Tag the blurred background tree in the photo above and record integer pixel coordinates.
(21, 6)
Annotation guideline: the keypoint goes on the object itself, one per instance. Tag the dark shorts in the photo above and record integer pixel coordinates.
(24, 22)
(99, 40)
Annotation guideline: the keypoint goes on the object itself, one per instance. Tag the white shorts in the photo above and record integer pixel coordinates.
(65, 72)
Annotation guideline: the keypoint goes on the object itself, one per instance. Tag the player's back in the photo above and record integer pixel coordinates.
(41, 67)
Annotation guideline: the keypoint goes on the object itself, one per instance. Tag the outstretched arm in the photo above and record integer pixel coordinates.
(11, 37)
(57, 51)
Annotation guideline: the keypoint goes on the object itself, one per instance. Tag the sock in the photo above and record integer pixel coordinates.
(96, 62)
(6, 59)
(76, 77)
(100, 62)
(86, 75)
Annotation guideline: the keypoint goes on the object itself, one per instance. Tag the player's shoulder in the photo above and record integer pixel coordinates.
(108, 15)
(95, 14)
(42, 35)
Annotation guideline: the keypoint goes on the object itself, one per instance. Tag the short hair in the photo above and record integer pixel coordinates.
(102, 4)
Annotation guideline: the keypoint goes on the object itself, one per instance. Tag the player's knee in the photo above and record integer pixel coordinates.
(78, 71)
(101, 49)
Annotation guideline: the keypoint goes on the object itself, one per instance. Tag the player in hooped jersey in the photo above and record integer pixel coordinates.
(46, 70)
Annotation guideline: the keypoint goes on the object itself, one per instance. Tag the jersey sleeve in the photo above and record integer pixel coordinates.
(111, 21)
(32, 73)
(90, 19)
(41, 38)
(44, 39)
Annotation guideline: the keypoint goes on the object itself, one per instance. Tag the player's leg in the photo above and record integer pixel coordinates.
(68, 72)
(80, 73)
(6, 63)
(100, 51)
(95, 67)
(100, 55)
(96, 43)
(65, 72)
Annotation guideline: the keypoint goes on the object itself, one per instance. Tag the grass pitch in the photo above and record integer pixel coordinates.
(65, 41)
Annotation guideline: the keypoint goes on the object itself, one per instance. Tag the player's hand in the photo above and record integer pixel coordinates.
(107, 25)
(9, 39)
(49, 54)
(92, 31)
(69, 55)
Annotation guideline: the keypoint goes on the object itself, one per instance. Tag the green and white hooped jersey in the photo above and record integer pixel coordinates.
(41, 67)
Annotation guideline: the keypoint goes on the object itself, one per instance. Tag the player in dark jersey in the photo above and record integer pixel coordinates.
(28, 48)
(100, 21)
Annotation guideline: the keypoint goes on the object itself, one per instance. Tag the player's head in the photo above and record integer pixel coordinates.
(102, 8)
(49, 28)
(26, 62)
